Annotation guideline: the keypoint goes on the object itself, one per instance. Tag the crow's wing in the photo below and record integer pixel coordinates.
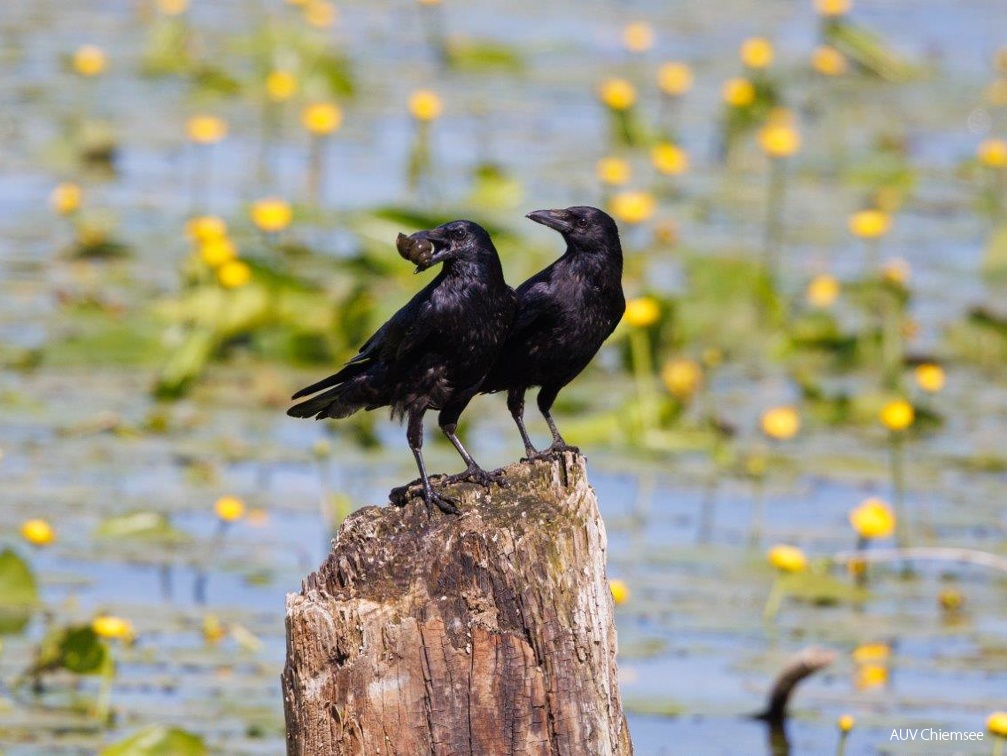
(396, 340)
(536, 303)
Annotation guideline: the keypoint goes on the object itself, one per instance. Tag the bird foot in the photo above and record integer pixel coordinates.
(478, 476)
(447, 504)
(553, 451)
(401, 495)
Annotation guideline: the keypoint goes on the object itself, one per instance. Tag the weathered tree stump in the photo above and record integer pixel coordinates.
(486, 633)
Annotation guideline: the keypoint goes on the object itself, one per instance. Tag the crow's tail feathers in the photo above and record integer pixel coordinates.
(338, 402)
(347, 393)
(350, 370)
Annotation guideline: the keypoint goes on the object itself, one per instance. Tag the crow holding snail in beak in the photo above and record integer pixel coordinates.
(435, 352)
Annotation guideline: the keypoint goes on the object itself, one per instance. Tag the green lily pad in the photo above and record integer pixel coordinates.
(76, 648)
(158, 740)
(147, 526)
(18, 592)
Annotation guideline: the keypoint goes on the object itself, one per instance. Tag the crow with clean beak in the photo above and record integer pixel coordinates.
(565, 313)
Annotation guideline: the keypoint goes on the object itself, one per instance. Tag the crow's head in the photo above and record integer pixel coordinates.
(457, 240)
(581, 225)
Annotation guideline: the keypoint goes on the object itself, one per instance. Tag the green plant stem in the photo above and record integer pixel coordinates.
(774, 218)
(841, 746)
(872, 256)
(891, 341)
(758, 510)
(103, 701)
(861, 575)
(316, 169)
(895, 444)
(998, 745)
(643, 373)
(773, 601)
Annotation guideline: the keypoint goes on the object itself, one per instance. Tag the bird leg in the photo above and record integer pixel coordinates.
(473, 472)
(545, 399)
(515, 403)
(414, 434)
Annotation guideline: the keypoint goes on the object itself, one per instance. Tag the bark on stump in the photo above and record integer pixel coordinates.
(486, 633)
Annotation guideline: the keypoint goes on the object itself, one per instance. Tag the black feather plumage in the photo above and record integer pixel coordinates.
(435, 352)
(565, 313)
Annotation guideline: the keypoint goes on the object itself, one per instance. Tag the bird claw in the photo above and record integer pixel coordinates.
(447, 504)
(552, 452)
(478, 476)
(401, 495)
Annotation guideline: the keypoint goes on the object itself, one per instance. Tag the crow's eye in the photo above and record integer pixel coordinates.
(582, 222)
(458, 233)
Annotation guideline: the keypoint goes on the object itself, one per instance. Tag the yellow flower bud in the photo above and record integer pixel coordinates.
(828, 61)
(319, 13)
(670, 159)
(112, 628)
(638, 36)
(172, 7)
(89, 60)
(929, 377)
(738, 93)
(993, 152)
(997, 724)
(873, 519)
(870, 224)
(845, 723)
(321, 118)
(897, 415)
(65, 198)
(833, 7)
(872, 653)
(682, 377)
(217, 251)
(617, 94)
(871, 676)
(757, 52)
(613, 171)
(787, 558)
(633, 206)
(779, 140)
(781, 423)
(206, 129)
(823, 291)
(234, 274)
(425, 105)
(674, 78)
(642, 312)
(38, 532)
(281, 85)
(229, 508)
(205, 228)
(271, 214)
(620, 591)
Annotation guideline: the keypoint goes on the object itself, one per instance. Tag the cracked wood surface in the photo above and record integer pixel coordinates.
(486, 633)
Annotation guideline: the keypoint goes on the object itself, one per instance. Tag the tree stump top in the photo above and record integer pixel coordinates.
(489, 632)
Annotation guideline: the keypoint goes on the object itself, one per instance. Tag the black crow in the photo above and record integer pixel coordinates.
(565, 312)
(435, 352)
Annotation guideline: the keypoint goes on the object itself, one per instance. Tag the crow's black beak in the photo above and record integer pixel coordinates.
(425, 248)
(558, 220)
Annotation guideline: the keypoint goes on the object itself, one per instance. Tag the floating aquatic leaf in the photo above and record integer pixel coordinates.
(18, 592)
(158, 740)
(148, 526)
(76, 648)
(476, 55)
